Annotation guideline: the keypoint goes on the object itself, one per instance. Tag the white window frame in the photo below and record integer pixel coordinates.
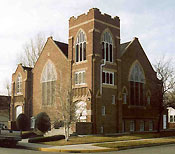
(164, 121)
(171, 118)
(32, 122)
(132, 126)
(103, 111)
(80, 78)
(109, 77)
(113, 99)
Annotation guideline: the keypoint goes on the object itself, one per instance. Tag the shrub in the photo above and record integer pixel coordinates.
(22, 122)
(46, 139)
(29, 134)
(42, 122)
(58, 124)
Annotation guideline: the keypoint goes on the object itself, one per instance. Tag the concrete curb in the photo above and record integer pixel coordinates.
(77, 150)
(70, 150)
(93, 150)
(142, 146)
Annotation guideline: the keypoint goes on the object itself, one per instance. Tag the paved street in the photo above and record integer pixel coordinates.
(21, 151)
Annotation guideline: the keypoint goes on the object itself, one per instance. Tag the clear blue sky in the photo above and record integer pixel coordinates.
(152, 21)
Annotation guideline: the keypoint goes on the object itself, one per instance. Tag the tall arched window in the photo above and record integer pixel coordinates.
(107, 47)
(48, 81)
(80, 50)
(19, 84)
(137, 81)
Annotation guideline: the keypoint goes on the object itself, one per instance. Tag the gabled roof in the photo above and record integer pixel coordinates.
(123, 47)
(63, 47)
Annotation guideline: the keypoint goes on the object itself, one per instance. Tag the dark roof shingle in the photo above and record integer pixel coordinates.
(123, 47)
(27, 68)
(63, 47)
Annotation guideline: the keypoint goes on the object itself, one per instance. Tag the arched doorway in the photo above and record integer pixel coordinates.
(81, 111)
(18, 110)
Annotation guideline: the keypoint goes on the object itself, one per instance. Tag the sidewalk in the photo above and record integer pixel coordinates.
(79, 148)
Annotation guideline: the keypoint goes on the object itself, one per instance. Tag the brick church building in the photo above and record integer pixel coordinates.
(114, 82)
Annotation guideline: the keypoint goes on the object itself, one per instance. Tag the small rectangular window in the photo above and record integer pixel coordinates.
(108, 77)
(171, 118)
(132, 125)
(142, 126)
(150, 125)
(79, 77)
(113, 99)
(101, 129)
(103, 111)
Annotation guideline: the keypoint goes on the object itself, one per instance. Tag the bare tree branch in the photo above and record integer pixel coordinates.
(32, 50)
(166, 73)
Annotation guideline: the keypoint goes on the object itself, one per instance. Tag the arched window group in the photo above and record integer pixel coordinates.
(19, 84)
(48, 81)
(137, 80)
(107, 47)
(80, 50)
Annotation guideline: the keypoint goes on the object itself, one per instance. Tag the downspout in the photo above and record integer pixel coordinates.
(101, 84)
(101, 70)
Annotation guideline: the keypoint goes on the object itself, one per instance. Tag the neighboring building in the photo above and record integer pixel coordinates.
(171, 118)
(4, 109)
(114, 82)
(21, 97)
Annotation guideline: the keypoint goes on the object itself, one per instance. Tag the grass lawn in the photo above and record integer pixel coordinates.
(137, 143)
(99, 139)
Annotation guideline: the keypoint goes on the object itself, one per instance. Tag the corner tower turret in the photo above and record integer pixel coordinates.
(94, 38)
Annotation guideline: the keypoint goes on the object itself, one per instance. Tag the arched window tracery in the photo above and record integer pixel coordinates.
(80, 51)
(48, 81)
(107, 47)
(137, 81)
